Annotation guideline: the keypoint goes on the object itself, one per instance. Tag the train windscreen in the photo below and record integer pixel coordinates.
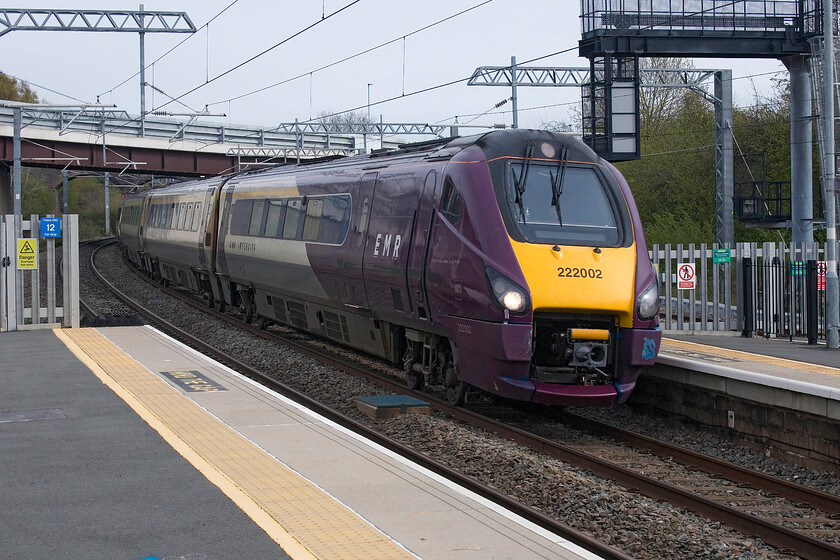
(562, 204)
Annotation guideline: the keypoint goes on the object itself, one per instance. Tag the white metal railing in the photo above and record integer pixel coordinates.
(21, 266)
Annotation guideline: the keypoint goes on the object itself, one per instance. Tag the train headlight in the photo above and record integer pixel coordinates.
(508, 294)
(648, 305)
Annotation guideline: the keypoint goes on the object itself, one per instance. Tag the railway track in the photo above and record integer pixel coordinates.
(523, 510)
(791, 517)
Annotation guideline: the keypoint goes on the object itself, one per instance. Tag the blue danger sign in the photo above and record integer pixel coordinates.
(50, 227)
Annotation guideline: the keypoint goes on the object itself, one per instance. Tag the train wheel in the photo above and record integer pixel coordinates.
(414, 379)
(456, 390)
(457, 395)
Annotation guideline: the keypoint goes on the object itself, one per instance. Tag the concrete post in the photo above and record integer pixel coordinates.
(724, 165)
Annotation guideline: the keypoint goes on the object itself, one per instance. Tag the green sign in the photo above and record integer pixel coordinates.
(797, 268)
(721, 255)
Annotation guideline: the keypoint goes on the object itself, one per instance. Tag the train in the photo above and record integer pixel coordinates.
(511, 263)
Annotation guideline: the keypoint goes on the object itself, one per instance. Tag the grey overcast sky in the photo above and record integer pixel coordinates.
(81, 66)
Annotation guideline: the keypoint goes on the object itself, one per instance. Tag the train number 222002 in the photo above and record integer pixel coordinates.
(574, 272)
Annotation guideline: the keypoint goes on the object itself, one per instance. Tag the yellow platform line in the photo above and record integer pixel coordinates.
(303, 519)
(748, 356)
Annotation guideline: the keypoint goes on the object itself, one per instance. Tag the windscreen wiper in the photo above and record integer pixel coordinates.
(557, 183)
(520, 184)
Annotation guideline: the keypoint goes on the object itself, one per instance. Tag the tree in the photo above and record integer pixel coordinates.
(658, 105)
(674, 182)
(349, 117)
(12, 89)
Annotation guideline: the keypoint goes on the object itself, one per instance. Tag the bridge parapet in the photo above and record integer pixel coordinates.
(115, 124)
(103, 139)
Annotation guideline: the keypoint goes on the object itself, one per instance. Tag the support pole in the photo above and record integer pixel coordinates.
(142, 75)
(16, 172)
(65, 190)
(832, 307)
(724, 165)
(5, 190)
(801, 155)
(513, 99)
(107, 203)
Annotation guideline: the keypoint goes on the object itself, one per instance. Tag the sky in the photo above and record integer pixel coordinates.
(405, 79)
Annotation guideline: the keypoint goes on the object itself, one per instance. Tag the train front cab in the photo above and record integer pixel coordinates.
(130, 219)
(572, 282)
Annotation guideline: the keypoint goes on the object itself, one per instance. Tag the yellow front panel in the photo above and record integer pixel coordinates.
(577, 279)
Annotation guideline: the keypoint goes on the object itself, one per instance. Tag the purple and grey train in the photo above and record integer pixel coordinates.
(511, 262)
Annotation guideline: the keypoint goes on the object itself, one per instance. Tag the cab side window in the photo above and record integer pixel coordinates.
(450, 204)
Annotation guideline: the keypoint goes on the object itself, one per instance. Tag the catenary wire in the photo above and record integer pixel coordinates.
(351, 57)
(181, 42)
(264, 52)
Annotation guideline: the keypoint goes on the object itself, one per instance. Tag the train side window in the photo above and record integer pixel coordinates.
(450, 205)
(196, 217)
(293, 212)
(363, 222)
(189, 218)
(335, 219)
(312, 223)
(171, 216)
(163, 210)
(240, 217)
(274, 221)
(182, 215)
(256, 218)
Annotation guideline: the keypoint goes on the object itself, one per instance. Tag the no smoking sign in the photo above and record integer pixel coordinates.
(686, 278)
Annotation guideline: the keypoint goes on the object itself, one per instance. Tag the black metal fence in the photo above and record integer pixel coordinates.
(783, 299)
(770, 290)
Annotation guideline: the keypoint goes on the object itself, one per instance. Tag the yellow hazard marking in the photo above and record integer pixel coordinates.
(300, 517)
(748, 356)
(27, 254)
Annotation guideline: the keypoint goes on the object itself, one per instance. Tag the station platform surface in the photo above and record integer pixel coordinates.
(121, 443)
(777, 371)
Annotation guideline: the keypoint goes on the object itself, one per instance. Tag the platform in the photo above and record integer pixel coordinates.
(775, 372)
(122, 443)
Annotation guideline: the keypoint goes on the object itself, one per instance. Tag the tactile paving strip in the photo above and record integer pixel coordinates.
(749, 357)
(323, 526)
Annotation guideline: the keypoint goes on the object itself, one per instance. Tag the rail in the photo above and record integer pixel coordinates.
(488, 492)
(774, 534)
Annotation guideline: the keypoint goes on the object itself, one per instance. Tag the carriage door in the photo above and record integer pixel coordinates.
(416, 269)
(351, 265)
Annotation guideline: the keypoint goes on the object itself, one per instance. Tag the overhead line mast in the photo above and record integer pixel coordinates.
(126, 21)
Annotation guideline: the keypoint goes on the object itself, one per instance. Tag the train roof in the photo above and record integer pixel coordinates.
(495, 144)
